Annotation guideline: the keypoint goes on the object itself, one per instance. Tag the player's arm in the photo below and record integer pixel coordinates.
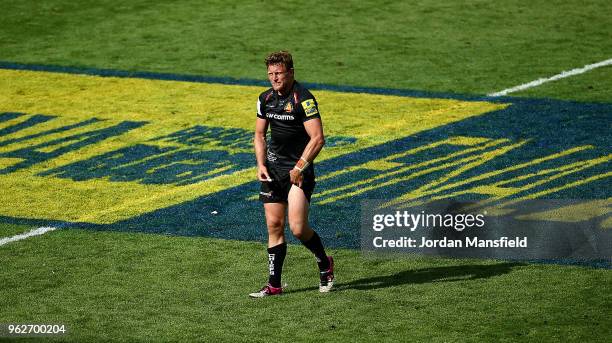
(314, 129)
(261, 127)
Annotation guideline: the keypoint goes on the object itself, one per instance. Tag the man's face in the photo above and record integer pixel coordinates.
(280, 78)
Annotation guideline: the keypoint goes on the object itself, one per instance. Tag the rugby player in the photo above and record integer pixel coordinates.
(286, 170)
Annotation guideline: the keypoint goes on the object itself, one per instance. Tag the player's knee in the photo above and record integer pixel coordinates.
(275, 225)
(299, 228)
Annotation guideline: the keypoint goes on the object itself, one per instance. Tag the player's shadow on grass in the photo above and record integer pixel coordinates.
(425, 275)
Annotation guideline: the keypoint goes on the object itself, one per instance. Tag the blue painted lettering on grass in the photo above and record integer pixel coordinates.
(184, 157)
(49, 132)
(30, 122)
(32, 155)
(6, 116)
(149, 164)
(216, 136)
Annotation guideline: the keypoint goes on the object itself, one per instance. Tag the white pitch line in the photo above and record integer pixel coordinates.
(35, 232)
(559, 76)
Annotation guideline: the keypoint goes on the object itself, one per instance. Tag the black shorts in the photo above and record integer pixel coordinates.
(277, 190)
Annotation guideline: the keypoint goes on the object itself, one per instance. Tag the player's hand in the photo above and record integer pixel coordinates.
(262, 174)
(296, 177)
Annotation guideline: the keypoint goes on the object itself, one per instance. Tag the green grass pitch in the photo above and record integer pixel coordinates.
(112, 286)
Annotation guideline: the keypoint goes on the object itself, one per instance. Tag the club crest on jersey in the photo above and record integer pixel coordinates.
(310, 108)
(288, 107)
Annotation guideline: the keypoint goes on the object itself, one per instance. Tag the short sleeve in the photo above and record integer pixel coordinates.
(259, 111)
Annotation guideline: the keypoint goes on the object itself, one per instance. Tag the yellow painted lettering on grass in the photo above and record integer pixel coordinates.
(575, 213)
(162, 108)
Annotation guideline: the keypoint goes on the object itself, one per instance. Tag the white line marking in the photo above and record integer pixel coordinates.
(553, 78)
(35, 232)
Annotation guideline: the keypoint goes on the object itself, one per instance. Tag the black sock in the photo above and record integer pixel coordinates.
(315, 245)
(276, 257)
